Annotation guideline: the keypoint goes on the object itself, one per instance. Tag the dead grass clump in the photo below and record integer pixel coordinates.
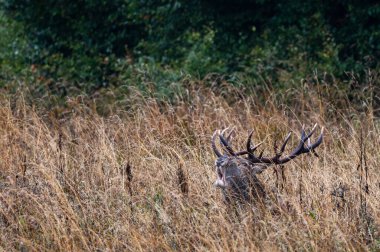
(143, 180)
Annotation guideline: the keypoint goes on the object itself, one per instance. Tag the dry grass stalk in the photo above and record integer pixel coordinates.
(88, 209)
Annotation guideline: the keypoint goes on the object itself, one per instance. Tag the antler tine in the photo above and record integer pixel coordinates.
(226, 144)
(230, 135)
(317, 142)
(224, 130)
(216, 151)
(256, 146)
(250, 149)
(300, 149)
(261, 154)
(249, 141)
(312, 131)
(301, 144)
(303, 133)
(282, 149)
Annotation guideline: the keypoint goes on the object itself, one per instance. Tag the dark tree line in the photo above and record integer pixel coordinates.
(203, 36)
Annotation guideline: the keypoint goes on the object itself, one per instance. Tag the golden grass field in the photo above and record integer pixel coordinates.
(140, 179)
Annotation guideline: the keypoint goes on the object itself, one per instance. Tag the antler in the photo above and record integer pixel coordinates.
(217, 153)
(224, 141)
(300, 149)
(277, 159)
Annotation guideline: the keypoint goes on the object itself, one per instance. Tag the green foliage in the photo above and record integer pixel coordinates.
(76, 40)
(69, 27)
(13, 49)
(91, 44)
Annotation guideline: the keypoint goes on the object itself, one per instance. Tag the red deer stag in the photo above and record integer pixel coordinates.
(237, 175)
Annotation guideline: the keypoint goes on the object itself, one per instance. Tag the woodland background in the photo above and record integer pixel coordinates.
(107, 109)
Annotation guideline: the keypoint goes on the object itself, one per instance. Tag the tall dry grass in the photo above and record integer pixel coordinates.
(141, 180)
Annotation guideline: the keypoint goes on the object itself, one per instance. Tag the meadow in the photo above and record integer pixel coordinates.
(140, 178)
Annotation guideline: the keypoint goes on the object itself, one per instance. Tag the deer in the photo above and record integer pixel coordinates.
(237, 170)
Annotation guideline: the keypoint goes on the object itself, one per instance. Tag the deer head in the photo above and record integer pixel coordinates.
(236, 171)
